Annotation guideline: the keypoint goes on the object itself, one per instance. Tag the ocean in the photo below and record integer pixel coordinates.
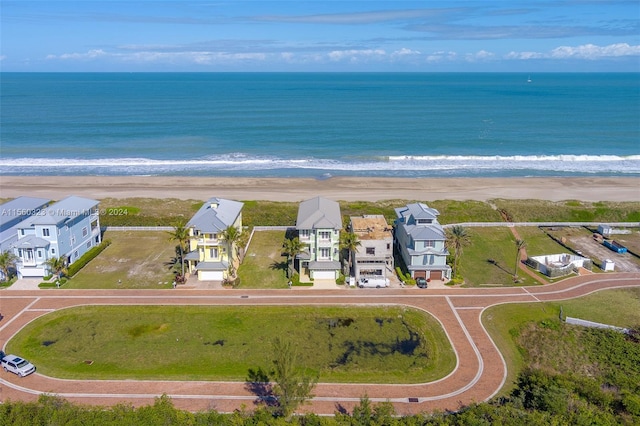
(320, 124)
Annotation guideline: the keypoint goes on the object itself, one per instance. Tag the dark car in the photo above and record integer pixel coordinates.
(421, 282)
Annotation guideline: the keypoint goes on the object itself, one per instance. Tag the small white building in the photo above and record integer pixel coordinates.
(608, 265)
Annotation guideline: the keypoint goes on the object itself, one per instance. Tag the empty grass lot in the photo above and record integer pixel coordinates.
(497, 244)
(134, 259)
(342, 344)
(505, 323)
(264, 266)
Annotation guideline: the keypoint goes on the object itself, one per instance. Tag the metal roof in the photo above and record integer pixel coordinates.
(215, 215)
(319, 213)
(67, 209)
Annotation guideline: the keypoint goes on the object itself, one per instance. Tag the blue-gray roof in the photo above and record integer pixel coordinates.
(15, 211)
(319, 213)
(215, 215)
(31, 241)
(426, 232)
(69, 208)
(417, 211)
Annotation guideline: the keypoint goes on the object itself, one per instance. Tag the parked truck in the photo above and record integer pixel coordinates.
(615, 246)
(17, 365)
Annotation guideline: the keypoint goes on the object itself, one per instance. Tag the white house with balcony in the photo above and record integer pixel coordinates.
(68, 229)
(318, 224)
(210, 255)
(420, 240)
(373, 258)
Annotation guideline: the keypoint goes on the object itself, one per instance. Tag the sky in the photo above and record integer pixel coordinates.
(320, 36)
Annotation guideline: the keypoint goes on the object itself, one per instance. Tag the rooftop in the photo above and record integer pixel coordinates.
(370, 227)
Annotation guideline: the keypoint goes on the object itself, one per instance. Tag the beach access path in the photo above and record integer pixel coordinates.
(479, 374)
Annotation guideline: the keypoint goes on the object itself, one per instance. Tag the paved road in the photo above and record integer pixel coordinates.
(479, 373)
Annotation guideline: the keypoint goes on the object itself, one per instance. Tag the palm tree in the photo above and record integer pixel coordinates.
(292, 247)
(180, 234)
(57, 265)
(520, 245)
(8, 261)
(232, 236)
(349, 241)
(457, 239)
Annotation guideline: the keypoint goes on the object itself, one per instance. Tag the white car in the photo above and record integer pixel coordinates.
(17, 365)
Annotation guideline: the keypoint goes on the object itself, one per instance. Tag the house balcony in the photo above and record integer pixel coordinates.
(208, 242)
(29, 263)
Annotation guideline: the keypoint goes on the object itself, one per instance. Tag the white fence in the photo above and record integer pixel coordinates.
(512, 224)
(137, 228)
(585, 323)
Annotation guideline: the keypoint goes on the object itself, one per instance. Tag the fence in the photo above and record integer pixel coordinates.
(585, 323)
(137, 228)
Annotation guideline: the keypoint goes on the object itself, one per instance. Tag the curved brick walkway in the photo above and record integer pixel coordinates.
(479, 375)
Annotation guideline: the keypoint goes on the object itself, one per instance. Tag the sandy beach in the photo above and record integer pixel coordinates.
(337, 188)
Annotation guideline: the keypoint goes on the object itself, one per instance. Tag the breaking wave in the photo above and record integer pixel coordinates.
(404, 165)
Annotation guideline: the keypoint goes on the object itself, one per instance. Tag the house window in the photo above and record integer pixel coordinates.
(388, 246)
(304, 233)
(75, 254)
(22, 232)
(85, 231)
(73, 239)
(324, 253)
(371, 251)
(423, 221)
(45, 232)
(325, 235)
(39, 254)
(213, 253)
(429, 243)
(89, 244)
(53, 251)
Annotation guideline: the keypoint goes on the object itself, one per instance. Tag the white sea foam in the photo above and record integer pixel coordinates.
(392, 165)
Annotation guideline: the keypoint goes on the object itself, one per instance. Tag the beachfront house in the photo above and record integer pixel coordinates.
(318, 225)
(373, 258)
(11, 214)
(66, 229)
(420, 241)
(211, 256)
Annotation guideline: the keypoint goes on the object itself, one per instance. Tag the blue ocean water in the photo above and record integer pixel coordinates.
(320, 124)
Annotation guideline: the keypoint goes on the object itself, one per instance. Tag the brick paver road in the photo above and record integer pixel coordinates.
(479, 374)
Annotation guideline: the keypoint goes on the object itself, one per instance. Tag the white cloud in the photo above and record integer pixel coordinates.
(593, 52)
(481, 55)
(355, 54)
(195, 57)
(91, 54)
(585, 51)
(442, 56)
(405, 52)
(3, 57)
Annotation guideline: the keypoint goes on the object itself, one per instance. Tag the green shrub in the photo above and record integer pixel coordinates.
(86, 258)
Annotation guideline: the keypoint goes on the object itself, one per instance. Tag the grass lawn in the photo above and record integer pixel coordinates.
(497, 244)
(569, 211)
(506, 322)
(342, 344)
(138, 259)
(264, 266)
(538, 242)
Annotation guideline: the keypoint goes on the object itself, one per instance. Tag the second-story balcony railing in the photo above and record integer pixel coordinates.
(208, 242)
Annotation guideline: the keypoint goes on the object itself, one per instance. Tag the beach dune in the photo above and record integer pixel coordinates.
(336, 188)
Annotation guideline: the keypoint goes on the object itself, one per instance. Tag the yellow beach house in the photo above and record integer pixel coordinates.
(212, 256)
